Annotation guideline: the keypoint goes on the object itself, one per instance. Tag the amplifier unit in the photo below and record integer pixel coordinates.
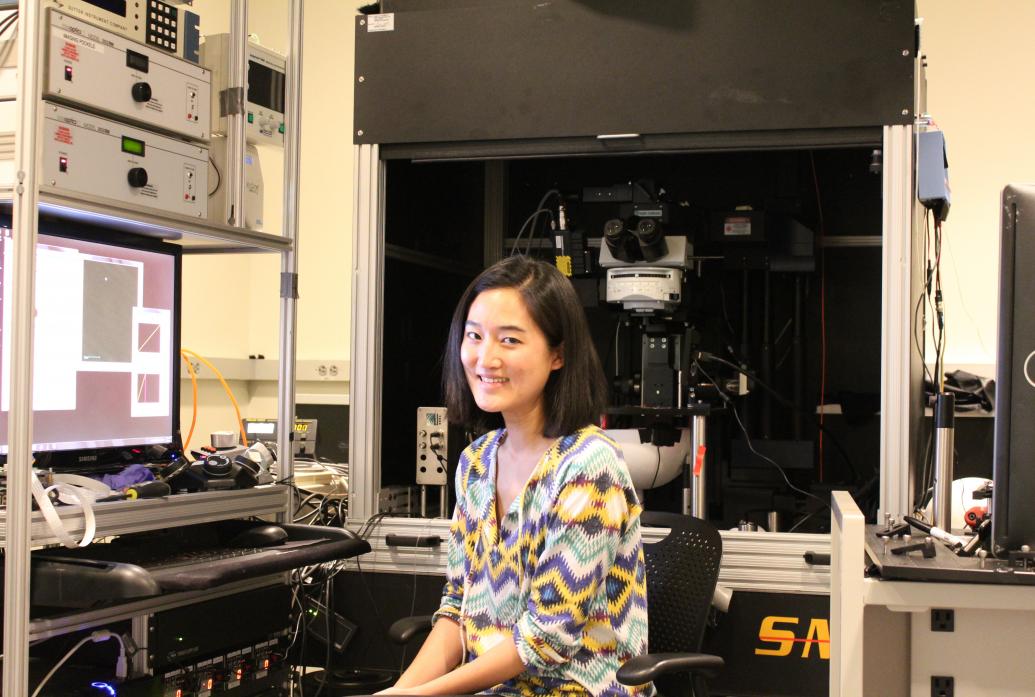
(91, 155)
(303, 440)
(163, 25)
(103, 71)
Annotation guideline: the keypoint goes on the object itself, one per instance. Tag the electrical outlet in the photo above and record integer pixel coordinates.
(943, 620)
(941, 686)
(323, 371)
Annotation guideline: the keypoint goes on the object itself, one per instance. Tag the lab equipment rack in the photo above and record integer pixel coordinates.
(22, 529)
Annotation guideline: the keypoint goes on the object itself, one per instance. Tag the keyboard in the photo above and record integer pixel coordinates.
(193, 558)
(199, 556)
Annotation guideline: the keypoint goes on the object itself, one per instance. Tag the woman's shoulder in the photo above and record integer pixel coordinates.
(587, 439)
(591, 450)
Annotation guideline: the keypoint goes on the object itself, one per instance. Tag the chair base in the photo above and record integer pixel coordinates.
(340, 683)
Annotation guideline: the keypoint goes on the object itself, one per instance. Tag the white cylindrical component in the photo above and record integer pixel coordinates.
(223, 439)
(943, 452)
(721, 598)
(698, 480)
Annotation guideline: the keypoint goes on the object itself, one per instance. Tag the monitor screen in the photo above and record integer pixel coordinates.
(1013, 515)
(265, 86)
(106, 344)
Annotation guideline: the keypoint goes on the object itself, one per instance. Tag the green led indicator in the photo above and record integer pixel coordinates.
(132, 146)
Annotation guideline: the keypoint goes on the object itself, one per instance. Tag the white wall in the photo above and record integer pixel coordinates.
(980, 92)
(231, 302)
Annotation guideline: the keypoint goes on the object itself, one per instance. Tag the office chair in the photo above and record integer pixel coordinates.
(682, 570)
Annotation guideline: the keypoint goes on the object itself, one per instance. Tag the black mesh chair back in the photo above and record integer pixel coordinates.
(682, 570)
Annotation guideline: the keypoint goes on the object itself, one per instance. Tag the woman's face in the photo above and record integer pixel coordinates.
(506, 356)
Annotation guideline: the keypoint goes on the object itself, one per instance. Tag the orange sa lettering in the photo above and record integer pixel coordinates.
(781, 641)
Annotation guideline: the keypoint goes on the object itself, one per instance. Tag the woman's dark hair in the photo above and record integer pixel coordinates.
(576, 393)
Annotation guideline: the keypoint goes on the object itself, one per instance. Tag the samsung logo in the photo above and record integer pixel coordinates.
(87, 458)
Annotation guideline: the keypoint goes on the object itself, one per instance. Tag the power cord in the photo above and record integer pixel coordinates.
(747, 439)
(219, 177)
(96, 637)
(531, 221)
(704, 355)
(8, 22)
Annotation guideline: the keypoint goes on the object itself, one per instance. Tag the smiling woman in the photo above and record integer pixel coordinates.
(545, 590)
(541, 302)
(506, 357)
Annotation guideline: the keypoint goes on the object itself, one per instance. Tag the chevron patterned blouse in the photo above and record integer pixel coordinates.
(562, 574)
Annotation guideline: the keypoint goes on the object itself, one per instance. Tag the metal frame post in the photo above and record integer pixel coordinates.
(698, 482)
(847, 603)
(365, 370)
(235, 98)
(19, 459)
(897, 413)
(289, 259)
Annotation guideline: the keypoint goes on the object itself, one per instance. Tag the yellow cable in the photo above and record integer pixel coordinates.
(226, 387)
(194, 390)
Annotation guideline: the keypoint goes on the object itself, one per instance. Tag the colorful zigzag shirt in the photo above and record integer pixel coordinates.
(562, 575)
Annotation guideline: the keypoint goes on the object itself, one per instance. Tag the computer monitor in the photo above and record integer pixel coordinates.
(1013, 512)
(105, 349)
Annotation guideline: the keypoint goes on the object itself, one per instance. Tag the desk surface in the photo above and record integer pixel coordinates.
(944, 567)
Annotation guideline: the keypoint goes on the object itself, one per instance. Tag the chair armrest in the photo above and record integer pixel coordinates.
(404, 630)
(648, 667)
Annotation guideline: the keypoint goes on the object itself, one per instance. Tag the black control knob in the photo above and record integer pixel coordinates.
(141, 92)
(137, 177)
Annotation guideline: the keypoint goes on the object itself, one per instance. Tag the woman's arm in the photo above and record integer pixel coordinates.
(439, 654)
(498, 664)
(581, 537)
(443, 649)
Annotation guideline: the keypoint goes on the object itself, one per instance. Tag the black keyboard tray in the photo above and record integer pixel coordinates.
(196, 557)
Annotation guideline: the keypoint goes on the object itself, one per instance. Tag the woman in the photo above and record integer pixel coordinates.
(546, 591)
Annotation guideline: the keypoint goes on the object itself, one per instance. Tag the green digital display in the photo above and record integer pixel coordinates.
(132, 146)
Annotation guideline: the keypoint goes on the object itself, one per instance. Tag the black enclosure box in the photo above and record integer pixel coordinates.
(509, 70)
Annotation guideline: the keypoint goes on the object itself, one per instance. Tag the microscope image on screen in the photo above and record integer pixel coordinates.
(103, 346)
(108, 320)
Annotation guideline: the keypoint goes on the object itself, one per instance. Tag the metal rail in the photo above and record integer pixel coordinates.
(19, 458)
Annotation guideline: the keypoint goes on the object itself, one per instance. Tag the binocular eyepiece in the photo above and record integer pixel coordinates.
(643, 241)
